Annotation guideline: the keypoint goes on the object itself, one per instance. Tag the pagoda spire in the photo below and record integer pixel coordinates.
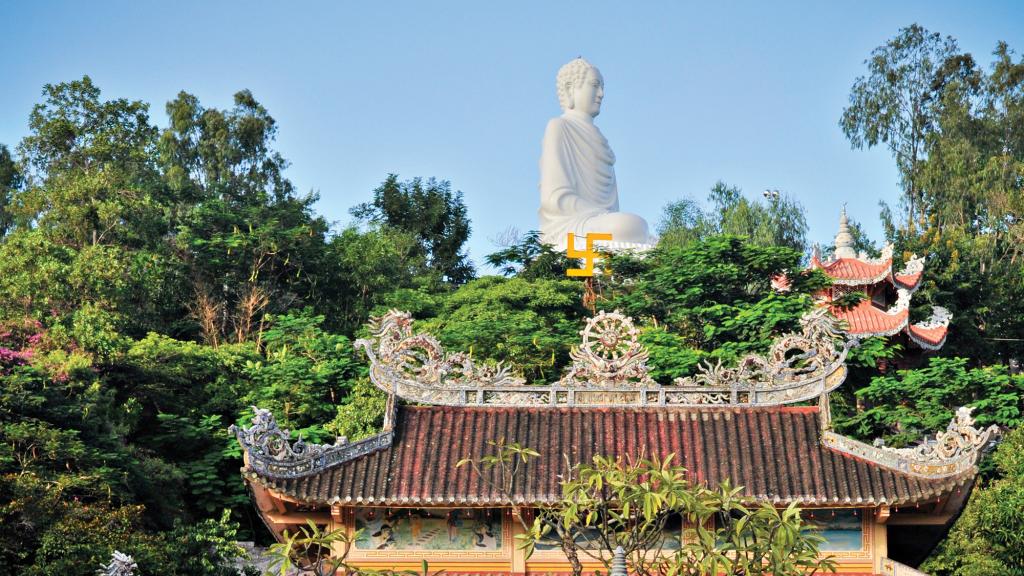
(844, 239)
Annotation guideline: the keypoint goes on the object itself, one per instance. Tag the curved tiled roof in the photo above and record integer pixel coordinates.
(851, 271)
(908, 281)
(775, 453)
(929, 338)
(864, 319)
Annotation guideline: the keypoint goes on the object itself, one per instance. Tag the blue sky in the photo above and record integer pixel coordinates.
(746, 92)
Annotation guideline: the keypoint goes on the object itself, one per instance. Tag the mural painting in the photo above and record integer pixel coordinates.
(589, 539)
(428, 529)
(841, 528)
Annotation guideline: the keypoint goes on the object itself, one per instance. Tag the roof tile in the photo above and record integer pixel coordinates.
(773, 452)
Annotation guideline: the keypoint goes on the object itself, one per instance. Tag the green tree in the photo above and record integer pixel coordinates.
(528, 258)
(364, 269)
(251, 244)
(715, 297)
(896, 103)
(777, 221)
(10, 181)
(91, 174)
(527, 324)
(905, 406)
(969, 203)
(434, 214)
(304, 371)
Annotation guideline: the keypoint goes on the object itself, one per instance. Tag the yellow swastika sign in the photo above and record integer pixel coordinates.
(587, 254)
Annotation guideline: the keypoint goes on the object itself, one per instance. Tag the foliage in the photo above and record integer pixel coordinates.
(904, 406)
(430, 211)
(312, 549)
(896, 104)
(611, 503)
(10, 181)
(304, 371)
(778, 221)
(530, 259)
(90, 169)
(251, 244)
(528, 324)
(715, 296)
(361, 414)
(365, 269)
(988, 538)
(956, 134)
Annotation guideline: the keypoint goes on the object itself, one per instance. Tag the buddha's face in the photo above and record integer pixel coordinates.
(587, 95)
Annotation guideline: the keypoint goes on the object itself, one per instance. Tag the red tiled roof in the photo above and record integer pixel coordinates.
(865, 319)
(852, 270)
(928, 337)
(908, 281)
(775, 453)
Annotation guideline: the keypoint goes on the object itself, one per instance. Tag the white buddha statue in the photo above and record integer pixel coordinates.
(578, 193)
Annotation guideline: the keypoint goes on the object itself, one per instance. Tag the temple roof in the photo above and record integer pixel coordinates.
(847, 268)
(735, 423)
(775, 453)
(867, 320)
(854, 271)
(929, 337)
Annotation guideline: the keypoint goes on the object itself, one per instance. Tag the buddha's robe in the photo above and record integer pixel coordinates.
(577, 179)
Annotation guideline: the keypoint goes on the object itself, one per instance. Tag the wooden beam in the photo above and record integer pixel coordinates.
(882, 514)
(298, 517)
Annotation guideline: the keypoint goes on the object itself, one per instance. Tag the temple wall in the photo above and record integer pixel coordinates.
(482, 540)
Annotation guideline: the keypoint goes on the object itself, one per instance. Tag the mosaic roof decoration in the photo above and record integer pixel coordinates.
(954, 451)
(121, 564)
(272, 452)
(609, 369)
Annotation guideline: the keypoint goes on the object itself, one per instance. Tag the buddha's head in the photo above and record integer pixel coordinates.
(580, 87)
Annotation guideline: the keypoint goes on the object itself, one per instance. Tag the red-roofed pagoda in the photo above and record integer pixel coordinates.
(886, 310)
(764, 424)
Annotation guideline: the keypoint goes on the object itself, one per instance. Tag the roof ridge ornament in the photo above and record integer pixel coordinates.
(951, 452)
(844, 241)
(940, 318)
(121, 564)
(272, 452)
(610, 353)
(914, 265)
(609, 369)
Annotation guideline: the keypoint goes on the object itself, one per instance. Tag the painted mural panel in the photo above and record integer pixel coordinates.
(841, 527)
(588, 539)
(428, 529)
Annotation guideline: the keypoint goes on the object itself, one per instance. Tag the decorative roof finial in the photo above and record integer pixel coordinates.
(844, 239)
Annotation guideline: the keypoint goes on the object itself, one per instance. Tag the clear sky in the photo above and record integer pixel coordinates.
(746, 92)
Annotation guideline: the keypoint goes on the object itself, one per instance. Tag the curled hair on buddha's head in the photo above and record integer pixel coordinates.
(572, 74)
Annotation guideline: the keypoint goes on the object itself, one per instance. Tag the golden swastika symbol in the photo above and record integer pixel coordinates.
(587, 254)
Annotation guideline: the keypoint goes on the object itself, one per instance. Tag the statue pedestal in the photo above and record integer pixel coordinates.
(613, 246)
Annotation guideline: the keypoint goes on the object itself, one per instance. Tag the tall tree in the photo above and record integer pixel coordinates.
(91, 175)
(970, 211)
(777, 221)
(433, 213)
(90, 224)
(252, 245)
(896, 103)
(10, 180)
